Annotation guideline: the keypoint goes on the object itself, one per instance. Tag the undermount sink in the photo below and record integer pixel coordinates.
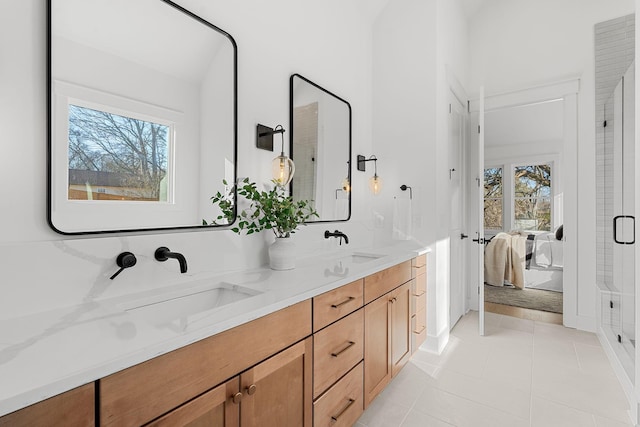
(354, 258)
(187, 307)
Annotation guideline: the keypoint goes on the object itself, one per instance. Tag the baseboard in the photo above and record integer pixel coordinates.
(623, 379)
(585, 323)
(436, 344)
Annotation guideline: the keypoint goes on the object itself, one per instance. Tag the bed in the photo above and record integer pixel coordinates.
(524, 259)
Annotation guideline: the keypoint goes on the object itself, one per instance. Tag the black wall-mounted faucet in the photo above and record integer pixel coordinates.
(124, 260)
(339, 234)
(163, 253)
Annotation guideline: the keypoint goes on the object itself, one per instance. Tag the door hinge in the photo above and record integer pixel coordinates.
(478, 128)
(449, 108)
(478, 181)
(478, 290)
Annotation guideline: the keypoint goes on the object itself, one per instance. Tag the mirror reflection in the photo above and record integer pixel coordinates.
(142, 116)
(321, 149)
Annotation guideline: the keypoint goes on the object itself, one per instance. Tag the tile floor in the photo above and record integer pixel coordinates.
(523, 373)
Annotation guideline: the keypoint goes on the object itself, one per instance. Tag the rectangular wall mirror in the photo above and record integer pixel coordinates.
(320, 144)
(142, 116)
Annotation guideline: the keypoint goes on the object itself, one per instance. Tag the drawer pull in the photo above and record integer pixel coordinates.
(420, 331)
(251, 389)
(348, 346)
(237, 398)
(420, 294)
(334, 418)
(340, 304)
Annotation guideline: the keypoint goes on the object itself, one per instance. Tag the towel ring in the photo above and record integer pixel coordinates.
(404, 188)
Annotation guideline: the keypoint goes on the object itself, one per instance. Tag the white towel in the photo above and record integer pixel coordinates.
(402, 215)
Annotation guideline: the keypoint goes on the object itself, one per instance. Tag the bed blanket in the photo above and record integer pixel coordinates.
(504, 260)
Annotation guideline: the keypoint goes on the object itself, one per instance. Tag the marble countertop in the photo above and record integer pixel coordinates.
(48, 353)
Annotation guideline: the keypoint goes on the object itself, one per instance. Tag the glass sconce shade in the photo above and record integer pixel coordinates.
(282, 169)
(346, 185)
(375, 184)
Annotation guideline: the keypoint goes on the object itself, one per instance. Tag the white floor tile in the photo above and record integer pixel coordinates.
(522, 373)
(545, 413)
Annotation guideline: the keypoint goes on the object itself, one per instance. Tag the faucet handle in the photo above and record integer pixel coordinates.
(124, 260)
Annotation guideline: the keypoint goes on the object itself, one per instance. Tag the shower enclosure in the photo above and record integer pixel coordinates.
(618, 284)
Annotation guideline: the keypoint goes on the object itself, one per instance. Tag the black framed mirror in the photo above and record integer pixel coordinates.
(142, 107)
(320, 146)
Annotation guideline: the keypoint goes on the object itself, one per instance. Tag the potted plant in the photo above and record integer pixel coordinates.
(268, 210)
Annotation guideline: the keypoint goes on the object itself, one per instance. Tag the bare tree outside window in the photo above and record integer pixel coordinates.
(532, 198)
(493, 198)
(114, 157)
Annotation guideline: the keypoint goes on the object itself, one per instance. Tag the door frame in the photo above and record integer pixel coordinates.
(568, 91)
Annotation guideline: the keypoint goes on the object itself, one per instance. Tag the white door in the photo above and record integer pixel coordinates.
(457, 126)
(480, 233)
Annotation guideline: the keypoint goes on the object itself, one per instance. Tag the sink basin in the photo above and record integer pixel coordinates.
(188, 307)
(355, 258)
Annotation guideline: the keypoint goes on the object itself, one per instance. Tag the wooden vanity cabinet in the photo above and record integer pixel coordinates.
(74, 408)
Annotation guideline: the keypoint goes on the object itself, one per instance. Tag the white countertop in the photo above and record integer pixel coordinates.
(48, 353)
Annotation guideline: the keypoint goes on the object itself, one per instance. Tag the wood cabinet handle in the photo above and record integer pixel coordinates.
(335, 417)
(237, 398)
(348, 300)
(420, 331)
(251, 389)
(348, 346)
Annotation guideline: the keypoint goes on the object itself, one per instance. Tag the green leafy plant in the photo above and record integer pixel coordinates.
(268, 210)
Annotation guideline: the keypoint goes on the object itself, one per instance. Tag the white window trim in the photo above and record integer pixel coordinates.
(82, 215)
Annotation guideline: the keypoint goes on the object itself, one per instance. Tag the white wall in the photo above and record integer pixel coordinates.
(275, 39)
(418, 46)
(516, 44)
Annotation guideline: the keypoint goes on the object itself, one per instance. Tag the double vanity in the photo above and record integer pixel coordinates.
(310, 346)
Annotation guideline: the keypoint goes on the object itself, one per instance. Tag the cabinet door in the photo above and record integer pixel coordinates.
(219, 407)
(377, 349)
(277, 392)
(400, 314)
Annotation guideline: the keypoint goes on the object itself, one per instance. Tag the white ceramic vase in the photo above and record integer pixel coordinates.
(282, 254)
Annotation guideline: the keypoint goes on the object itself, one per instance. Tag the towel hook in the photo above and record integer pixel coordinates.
(404, 188)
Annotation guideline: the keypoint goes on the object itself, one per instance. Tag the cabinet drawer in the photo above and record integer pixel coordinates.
(419, 261)
(143, 392)
(335, 304)
(419, 301)
(418, 329)
(342, 405)
(386, 280)
(336, 349)
(419, 285)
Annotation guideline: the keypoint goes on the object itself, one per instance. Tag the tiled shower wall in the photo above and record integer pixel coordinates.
(614, 53)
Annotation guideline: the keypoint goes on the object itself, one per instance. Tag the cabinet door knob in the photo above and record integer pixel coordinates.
(237, 398)
(251, 389)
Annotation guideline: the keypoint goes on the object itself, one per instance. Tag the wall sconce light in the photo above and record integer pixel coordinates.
(282, 167)
(375, 182)
(346, 183)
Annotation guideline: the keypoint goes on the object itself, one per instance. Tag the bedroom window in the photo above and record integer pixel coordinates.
(493, 198)
(532, 197)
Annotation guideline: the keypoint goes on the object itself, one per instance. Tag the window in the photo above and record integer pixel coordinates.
(527, 202)
(116, 157)
(493, 198)
(532, 197)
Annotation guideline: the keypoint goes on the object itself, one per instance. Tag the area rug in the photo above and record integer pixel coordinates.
(536, 299)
